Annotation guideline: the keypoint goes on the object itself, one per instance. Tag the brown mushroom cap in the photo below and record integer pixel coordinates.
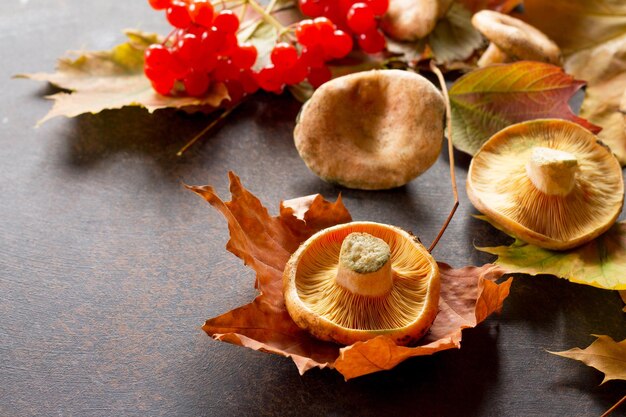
(359, 280)
(371, 130)
(515, 38)
(409, 20)
(547, 182)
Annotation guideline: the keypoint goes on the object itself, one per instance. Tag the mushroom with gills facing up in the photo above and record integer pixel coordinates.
(360, 280)
(512, 40)
(548, 182)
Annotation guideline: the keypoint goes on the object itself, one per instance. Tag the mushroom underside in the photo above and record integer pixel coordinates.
(577, 199)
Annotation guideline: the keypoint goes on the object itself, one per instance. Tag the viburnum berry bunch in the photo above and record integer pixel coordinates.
(358, 17)
(203, 48)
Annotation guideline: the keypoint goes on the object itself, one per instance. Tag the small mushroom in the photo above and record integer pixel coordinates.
(410, 20)
(547, 182)
(371, 130)
(512, 40)
(359, 280)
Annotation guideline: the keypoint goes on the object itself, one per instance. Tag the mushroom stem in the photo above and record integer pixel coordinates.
(553, 172)
(492, 55)
(364, 265)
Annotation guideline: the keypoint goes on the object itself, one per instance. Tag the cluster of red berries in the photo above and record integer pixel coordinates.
(359, 17)
(204, 49)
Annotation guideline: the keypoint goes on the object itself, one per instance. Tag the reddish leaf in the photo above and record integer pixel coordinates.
(492, 98)
(468, 295)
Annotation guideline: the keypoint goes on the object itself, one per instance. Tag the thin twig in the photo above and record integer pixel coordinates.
(204, 131)
(267, 16)
(610, 410)
(444, 89)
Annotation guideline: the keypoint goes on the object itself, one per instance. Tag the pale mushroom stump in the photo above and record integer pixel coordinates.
(360, 280)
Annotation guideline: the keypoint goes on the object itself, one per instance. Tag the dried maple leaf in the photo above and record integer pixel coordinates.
(600, 263)
(489, 99)
(604, 354)
(265, 243)
(113, 79)
(592, 35)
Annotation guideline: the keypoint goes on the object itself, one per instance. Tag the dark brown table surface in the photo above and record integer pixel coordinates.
(108, 267)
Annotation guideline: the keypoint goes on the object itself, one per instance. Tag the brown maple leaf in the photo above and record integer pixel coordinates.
(265, 243)
(604, 354)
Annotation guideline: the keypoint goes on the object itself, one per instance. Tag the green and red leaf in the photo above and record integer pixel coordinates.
(489, 99)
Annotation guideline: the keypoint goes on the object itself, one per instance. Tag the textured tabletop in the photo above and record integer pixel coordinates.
(108, 266)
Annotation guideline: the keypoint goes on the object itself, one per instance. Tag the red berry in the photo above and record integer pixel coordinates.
(212, 40)
(207, 62)
(157, 57)
(341, 45)
(372, 41)
(379, 7)
(159, 4)
(244, 56)
(228, 45)
(344, 6)
(225, 70)
(284, 55)
(177, 15)
(361, 18)
(235, 91)
(271, 79)
(163, 86)
(307, 33)
(177, 67)
(312, 8)
(189, 49)
(325, 27)
(318, 76)
(248, 81)
(313, 56)
(226, 21)
(296, 73)
(201, 12)
(196, 83)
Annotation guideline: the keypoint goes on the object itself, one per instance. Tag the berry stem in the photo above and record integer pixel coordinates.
(266, 14)
(444, 89)
(204, 131)
(610, 410)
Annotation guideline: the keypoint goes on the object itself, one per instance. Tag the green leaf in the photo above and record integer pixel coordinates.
(113, 79)
(599, 263)
(454, 38)
(489, 99)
